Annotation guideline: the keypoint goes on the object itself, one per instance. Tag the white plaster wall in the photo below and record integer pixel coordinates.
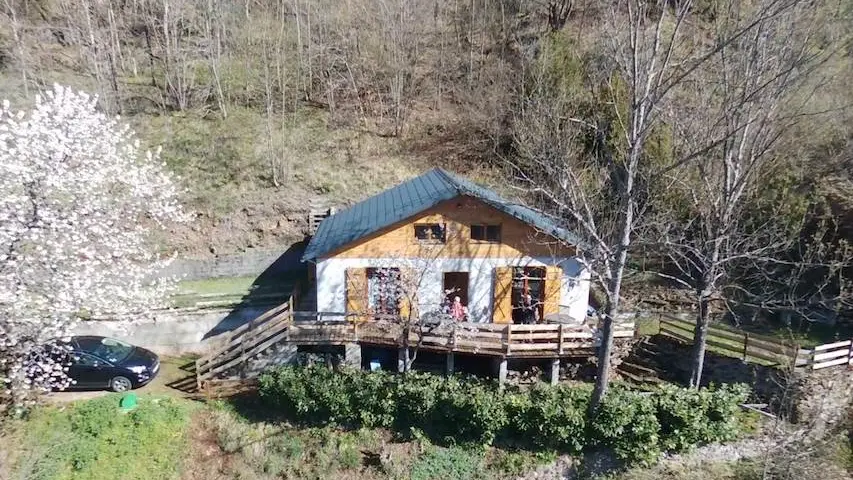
(574, 291)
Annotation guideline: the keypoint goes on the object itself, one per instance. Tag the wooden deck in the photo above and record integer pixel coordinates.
(282, 325)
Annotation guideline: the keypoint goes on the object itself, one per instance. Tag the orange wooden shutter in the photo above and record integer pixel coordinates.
(409, 285)
(356, 291)
(502, 303)
(553, 280)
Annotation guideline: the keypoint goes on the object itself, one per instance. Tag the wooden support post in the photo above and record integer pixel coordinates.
(451, 360)
(502, 370)
(745, 345)
(508, 333)
(561, 339)
(555, 371)
(402, 359)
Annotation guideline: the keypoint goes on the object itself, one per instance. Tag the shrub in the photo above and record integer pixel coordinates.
(626, 422)
(373, 402)
(695, 417)
(471, 411)
(416, 398)
(550, 417)
(457, 410)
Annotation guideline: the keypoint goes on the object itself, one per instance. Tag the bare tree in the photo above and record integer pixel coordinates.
(600, 195)
(727, 122)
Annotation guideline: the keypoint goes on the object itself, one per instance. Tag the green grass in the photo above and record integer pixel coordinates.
(96, 440)
(230, 291)
(453, 463)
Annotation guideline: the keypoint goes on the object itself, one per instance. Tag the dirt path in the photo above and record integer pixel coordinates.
(205, 460)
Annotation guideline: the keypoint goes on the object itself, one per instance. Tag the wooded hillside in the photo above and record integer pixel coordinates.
(269, 107)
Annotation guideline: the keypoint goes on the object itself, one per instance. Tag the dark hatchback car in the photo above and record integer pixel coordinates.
(103, 362)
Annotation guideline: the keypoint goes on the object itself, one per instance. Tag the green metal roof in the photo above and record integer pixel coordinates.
(410, 198)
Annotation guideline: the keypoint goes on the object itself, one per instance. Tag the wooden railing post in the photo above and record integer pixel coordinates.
(850, 355)
(561, 338)
(508, 337)
(745, 345)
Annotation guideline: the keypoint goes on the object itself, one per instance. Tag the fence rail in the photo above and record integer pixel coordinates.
(763, 349)
(747, 346)
(830, 355)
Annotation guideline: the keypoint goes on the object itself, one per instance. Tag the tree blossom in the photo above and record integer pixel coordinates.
(78, 200)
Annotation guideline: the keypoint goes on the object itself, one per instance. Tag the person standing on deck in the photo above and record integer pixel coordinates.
(458, 311)
(529, 310)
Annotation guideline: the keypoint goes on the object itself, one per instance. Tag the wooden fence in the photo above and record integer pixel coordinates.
(830, 355)
(749, 347)
(762, 349)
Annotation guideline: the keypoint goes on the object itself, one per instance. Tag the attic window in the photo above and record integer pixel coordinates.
(430, 233)
(486, 233)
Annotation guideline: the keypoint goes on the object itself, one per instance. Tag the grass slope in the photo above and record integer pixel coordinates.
(94, 440)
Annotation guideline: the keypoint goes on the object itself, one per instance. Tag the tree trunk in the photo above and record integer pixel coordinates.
(700, 336)
(603, 373)
(617, 271)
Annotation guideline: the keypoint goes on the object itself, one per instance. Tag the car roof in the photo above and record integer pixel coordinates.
(86, 342)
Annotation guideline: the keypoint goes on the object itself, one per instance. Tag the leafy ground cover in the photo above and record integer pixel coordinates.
(171, 437)
(95, 439)
(637, 427)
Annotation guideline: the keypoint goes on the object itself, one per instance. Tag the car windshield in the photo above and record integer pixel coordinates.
(112, 350)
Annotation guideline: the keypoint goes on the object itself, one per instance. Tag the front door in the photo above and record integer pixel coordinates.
(456, 285)
(89, 371)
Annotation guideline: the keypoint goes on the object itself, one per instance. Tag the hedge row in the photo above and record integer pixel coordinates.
(636, 427)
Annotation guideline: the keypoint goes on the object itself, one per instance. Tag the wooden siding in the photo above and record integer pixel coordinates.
(398, 241)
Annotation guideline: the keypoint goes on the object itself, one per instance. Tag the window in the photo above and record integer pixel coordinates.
(527, 281)
(430, 233)
(86, 360)
(384, 290)
(486, 233)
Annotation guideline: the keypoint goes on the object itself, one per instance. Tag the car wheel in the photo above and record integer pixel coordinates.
(120, 384)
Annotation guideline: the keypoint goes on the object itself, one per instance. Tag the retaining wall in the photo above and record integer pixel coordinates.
(273, 261)
(176, 331)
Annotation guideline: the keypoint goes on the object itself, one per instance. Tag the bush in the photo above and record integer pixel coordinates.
(551, 417)
(696, 417)
(626, 422)
(458, 410)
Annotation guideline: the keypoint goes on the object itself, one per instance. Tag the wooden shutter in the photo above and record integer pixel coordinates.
(553, 281)
(409, 285)
(356, 292)
(502, 304)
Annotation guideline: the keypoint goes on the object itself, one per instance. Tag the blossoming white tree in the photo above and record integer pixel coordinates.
(78, 200)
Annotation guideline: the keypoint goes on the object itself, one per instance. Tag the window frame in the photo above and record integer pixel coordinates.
(97, 362)
(372, 274)
(486, 228)
(432, 225)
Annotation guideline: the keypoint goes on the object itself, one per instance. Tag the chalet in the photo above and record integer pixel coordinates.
(438, 236)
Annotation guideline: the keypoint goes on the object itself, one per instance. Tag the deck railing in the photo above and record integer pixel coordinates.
(282, 324)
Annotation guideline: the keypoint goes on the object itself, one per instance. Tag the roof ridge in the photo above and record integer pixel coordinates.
(454, 180)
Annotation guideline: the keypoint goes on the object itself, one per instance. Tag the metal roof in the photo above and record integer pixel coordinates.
(410, 198)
